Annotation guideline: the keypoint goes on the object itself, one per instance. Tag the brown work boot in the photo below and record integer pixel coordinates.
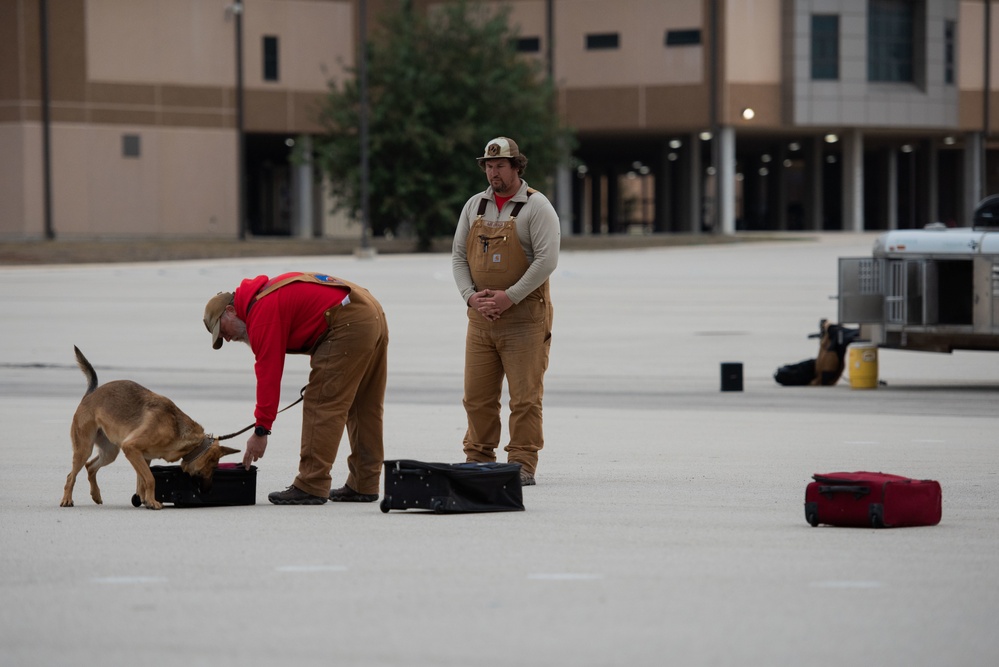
(294, 496)
(345, 494)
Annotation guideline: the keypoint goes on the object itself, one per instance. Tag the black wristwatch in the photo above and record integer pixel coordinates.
(260, 431)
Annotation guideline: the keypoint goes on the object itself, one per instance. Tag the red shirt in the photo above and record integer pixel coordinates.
(500, 201)
(289, 320)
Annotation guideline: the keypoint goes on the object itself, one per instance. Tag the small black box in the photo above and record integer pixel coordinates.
(231, 485)
(731, 376)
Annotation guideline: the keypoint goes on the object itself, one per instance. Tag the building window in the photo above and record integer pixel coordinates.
(270, 58)
(683, 37)
(527, 44)
(949, 33)
(890, 25)
(606, 40)
(131, 145)
(825, 47)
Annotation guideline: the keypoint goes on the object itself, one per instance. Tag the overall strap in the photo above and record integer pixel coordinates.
(516, 205)
(317, 278)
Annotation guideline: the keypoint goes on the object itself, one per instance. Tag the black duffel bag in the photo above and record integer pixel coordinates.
(796, 375)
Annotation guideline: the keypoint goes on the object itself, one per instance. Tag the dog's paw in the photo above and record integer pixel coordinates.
(153, 504)
(66, 503)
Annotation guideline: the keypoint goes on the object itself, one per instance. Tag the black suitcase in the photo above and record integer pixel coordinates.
(452, 487)
(231, 485)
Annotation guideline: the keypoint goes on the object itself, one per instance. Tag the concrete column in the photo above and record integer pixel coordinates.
(892, 189)
(694, 179)
(725, 175)
(933, 181)
(780, 172)
(817, 163)
(301, 224)
(853, 181)
(662, 219)
(563, 198)
(972, 170)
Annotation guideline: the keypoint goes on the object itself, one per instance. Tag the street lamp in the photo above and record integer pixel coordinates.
(43, 19)
(236, 10)
(365, 249)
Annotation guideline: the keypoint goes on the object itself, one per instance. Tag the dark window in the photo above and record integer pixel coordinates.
(270, 58)
(527, 44)
(683, 37)
(825, 47)
(949, 33)
(606, 40)
(131, 146)
(890, 25)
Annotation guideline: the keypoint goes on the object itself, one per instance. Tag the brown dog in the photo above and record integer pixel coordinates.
(124, 416)
(833, 341)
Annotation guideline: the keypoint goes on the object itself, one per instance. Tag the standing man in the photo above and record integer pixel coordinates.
(505, 248)
(343, 330)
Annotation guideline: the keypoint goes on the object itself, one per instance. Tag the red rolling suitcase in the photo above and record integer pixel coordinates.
(872, 500)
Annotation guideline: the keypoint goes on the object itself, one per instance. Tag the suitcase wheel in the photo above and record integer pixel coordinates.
(437, 506)
(812, 514)
(384, 505)
(136, 500)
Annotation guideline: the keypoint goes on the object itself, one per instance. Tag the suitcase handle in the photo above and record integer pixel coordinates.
(399, 470)
(857, 491)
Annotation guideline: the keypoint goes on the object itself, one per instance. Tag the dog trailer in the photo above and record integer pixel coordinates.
(933, 289)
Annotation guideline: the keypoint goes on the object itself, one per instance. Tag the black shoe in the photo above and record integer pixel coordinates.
(294, 496)
(345, 494)
(526, 479)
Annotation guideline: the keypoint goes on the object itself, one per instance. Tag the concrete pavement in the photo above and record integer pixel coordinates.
(666, 528)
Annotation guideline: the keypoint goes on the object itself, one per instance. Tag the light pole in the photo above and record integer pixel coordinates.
(362, 56)
(43, 19)
(237, 12)
(984, 176)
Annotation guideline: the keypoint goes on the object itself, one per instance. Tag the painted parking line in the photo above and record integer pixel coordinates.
(129, 580)
(846, 584)
(300, 569)
(564, 576)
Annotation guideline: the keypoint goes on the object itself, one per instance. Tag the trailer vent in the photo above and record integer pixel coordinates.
(869, 278)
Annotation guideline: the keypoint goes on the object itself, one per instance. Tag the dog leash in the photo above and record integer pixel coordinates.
(301, 397)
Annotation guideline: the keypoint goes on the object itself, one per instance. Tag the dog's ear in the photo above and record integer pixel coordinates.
(226, 451)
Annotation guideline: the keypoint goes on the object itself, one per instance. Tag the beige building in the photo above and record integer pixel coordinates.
(690, 114)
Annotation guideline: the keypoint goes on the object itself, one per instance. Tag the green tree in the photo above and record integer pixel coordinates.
(440, 85)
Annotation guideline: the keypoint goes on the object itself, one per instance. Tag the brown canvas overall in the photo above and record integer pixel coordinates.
(346, 390)
(515, 346)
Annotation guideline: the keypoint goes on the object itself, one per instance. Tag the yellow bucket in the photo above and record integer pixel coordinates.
(863, 363)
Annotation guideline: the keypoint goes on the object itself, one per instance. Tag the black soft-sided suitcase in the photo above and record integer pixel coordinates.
(452, 487)
(872, 500)
(231, 485)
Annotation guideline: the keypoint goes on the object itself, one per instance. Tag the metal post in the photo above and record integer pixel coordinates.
(363, 91)
(716, 138)
(43, 16)
(240, 125)
(986, 90)
(549, 40)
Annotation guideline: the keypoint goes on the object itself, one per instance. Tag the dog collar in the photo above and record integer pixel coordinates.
(195, 453)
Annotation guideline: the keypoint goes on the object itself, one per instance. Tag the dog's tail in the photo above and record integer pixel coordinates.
(87, 369)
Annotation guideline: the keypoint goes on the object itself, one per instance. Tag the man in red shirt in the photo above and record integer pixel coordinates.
(342, 327)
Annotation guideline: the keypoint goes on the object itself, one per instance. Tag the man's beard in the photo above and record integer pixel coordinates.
(239, 331)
